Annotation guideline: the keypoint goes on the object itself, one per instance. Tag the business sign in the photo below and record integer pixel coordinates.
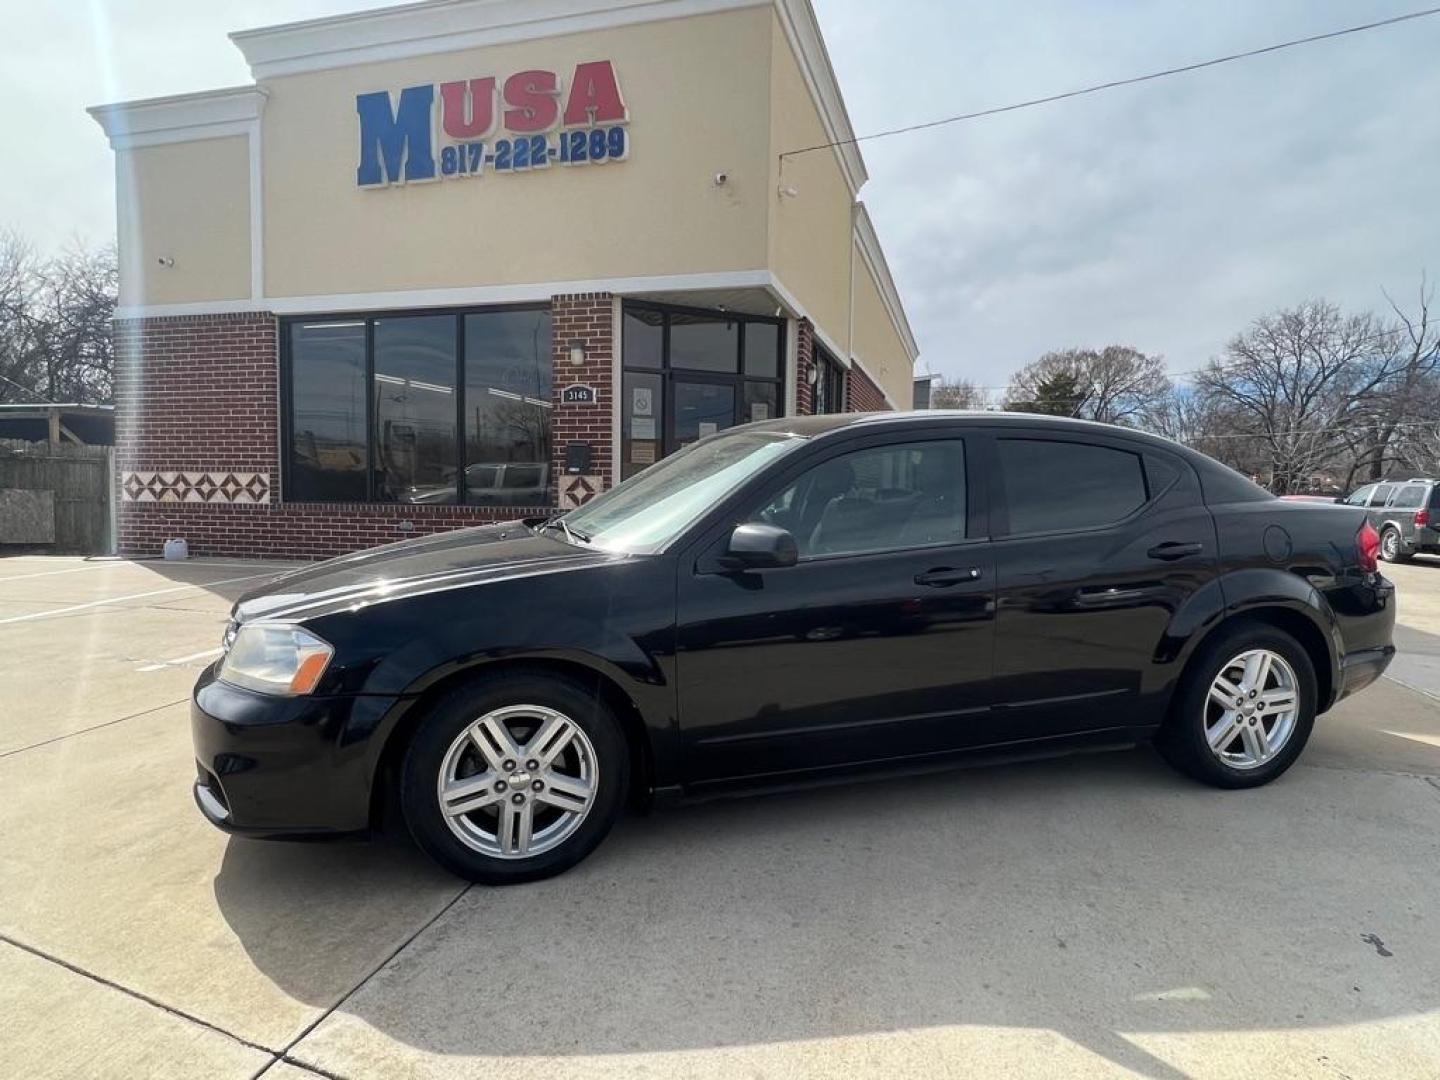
(460, 129)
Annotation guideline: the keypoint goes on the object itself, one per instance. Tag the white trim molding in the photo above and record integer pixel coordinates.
(874, 257)
(438, 26)
(476, 295)
(182, 118)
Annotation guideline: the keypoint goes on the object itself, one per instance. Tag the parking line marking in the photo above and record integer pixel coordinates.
(121, 599)
(180, 660)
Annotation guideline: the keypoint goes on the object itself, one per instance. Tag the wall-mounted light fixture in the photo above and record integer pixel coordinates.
(577, 352)
(812, 374)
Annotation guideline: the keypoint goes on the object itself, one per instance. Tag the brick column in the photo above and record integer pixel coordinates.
(587, 317)
(804, 357)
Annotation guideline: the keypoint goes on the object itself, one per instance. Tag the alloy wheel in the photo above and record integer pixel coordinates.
(1390, 544)
(518, 781)
(1252, 709)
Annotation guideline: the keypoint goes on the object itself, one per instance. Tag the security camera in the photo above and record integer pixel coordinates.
(721, 179)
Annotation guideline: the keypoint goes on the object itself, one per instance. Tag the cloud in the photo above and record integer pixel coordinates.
(1165, 215)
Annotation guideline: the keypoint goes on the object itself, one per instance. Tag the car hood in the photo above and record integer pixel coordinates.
(445, 561)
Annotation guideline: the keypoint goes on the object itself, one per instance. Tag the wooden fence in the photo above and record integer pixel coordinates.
(56, 498)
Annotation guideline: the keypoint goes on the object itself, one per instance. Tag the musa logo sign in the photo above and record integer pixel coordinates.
(514, 126)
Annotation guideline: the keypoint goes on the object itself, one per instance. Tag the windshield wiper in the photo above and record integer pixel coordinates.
(575, 536)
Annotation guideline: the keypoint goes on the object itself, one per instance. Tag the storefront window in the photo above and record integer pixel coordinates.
(507, 408)
(327, 459)
(690, 373)
(415, 409)
(385, 409)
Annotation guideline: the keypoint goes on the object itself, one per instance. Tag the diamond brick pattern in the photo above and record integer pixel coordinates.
(195, 487)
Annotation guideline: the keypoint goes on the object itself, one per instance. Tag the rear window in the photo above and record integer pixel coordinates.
(1051, 485)
(1410, 497)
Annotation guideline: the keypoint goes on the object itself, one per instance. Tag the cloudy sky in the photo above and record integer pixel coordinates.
(1163, 216)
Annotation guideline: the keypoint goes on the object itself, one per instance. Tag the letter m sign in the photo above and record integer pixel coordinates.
(395, 144)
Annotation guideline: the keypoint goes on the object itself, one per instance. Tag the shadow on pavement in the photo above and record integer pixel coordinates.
(1089, 896)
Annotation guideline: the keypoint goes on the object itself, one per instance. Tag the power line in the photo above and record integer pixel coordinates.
(1248, 54)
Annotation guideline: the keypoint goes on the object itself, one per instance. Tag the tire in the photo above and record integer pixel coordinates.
(1392, 547)
(569, 774)
(1196, 718)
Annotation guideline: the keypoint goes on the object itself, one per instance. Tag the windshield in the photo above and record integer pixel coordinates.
(649, 510)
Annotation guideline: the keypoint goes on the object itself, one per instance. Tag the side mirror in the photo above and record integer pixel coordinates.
(755, 546)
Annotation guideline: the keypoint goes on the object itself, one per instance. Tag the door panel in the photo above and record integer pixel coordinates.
(851, 655)
(1081, 611)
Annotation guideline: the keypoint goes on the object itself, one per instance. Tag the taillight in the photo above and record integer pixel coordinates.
(1422, 518)
(1367, 544)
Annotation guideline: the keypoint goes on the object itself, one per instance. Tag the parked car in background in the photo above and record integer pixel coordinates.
(794, 600)
(1407, 514)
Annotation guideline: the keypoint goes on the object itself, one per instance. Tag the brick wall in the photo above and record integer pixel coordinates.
(861, 393)
(587, 317)
(804, 355)
(198, 396)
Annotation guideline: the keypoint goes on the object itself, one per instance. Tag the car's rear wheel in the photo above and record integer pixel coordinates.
(1392, 548)
(1244, 708)
(514, 778)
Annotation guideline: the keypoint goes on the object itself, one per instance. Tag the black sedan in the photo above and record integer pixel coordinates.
(791, 601)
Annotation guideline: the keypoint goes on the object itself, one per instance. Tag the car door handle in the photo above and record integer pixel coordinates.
(944, 576)
(1174, 549)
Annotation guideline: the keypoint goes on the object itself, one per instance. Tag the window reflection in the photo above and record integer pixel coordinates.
(327, 402)
(415, 409)
(508, 367)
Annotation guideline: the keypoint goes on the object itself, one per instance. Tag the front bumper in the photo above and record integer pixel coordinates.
(275, 766)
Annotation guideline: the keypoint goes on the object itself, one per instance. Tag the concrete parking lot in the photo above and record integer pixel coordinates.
(1093, 916)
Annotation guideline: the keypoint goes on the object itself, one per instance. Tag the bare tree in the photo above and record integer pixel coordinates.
(959, 394)
(1300, 380)
(1116, 385)
(56, 342)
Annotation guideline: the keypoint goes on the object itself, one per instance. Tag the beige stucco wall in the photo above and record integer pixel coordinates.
(189, 202)
(809, 231)
(698, 97)
(878, 344)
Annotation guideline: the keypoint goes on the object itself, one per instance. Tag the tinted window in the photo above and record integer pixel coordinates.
(1359, 498)
(702, 343)
(1066, 485)
(1382, 494)
(415, 408)
(1410, 497)
(507, 405)
(762, 350)
(643, 341)
(327, 412)
(880, 499)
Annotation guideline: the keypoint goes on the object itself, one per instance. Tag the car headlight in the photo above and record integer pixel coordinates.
(275, 658)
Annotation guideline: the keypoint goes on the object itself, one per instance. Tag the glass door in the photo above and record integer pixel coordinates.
(690, 372)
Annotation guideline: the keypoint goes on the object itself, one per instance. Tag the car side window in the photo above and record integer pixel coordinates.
(1382, 494)
(1359, 498)
(881, 498)
(1052, 485)
(1410, 497)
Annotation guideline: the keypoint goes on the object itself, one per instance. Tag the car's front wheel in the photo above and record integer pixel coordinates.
(1244, 708)
(514, 778)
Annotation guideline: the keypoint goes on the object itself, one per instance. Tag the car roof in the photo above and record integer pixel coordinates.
(810, 426)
